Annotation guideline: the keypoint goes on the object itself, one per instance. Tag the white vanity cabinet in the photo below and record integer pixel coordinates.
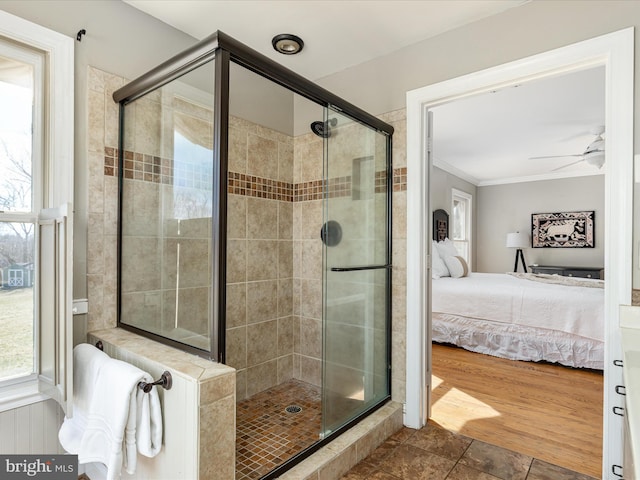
(630, 323)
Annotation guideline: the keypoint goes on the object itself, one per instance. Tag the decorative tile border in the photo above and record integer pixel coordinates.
(314, 190)
(110, 161)
(305, 191)
(252, 186)
(149, 168)
(338, 187)
(381, 182)
(400, 179)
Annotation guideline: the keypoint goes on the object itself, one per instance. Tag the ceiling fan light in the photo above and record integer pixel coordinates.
(596, 145)
(595, 159)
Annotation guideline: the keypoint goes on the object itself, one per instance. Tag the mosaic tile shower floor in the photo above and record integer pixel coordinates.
(267, 435)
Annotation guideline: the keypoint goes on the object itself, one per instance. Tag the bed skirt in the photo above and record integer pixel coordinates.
(517, 342)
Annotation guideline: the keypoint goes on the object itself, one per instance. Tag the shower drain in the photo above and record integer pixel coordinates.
(293, 409)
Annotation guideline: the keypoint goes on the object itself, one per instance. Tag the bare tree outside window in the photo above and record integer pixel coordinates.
(16, 239)
(17, 228)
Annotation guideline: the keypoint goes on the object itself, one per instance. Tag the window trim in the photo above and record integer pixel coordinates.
(56, 182)
(468, 198)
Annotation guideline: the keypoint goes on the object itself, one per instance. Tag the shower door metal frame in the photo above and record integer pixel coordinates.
(225, 49)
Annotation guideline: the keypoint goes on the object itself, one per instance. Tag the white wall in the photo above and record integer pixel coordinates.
(502, 38)
(502, 209)
(380, 85)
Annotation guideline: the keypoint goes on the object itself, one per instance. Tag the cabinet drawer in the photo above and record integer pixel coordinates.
(583, 273)
(547, 270)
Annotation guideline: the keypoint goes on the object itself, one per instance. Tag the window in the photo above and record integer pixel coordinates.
(461, 223)
(21, 88)
(36, 187)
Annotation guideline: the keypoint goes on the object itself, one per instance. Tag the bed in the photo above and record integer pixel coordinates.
(530, 317)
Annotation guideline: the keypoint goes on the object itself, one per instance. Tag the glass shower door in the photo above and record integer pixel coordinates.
(356, 264)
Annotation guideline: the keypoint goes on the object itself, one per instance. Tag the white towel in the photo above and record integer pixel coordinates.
(149, 423)
(112, 417)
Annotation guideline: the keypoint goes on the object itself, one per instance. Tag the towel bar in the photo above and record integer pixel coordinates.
(165, 380)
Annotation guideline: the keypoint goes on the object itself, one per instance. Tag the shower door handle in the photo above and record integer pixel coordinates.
(356, 269)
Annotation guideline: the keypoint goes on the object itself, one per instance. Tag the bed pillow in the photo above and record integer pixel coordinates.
(446, 248)
(438, 267)
(457, 266)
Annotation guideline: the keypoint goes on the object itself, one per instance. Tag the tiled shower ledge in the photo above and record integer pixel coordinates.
(187, 364)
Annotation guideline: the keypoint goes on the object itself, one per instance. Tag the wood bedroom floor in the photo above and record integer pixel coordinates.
(549, 412)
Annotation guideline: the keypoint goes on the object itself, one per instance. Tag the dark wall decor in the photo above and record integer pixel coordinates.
(440, 225)
(563, 230)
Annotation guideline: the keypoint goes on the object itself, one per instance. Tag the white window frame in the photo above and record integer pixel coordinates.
(468, 200)
(53, 376)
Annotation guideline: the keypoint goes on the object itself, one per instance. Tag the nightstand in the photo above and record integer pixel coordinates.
(582, 272)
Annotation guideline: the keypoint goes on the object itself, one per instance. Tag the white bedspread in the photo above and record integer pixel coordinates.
(507, 299)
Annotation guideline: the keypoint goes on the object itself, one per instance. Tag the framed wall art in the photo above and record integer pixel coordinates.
(563, 230)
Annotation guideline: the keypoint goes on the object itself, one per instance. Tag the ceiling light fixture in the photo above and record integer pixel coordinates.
(595, 159)
(287, 44)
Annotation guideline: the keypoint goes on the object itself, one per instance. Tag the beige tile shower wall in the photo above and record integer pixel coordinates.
(186, 253)
(355, 327)
(259, 262)
(307, 264)
(102, 221)
(166, 268)
(149, 134)
(398, 120)
(307, 248)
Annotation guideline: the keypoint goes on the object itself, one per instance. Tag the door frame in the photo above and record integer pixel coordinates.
(614, 51)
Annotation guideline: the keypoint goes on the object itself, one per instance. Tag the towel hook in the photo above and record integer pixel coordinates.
(165, 381)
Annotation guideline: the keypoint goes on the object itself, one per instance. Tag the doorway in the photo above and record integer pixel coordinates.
(486, 147)
(613, 51)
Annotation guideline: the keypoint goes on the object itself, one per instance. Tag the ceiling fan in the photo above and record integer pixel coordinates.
(593, 154)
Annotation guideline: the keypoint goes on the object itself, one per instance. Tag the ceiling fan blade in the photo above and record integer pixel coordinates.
(575, 136)
(567, 165)
(556, 156)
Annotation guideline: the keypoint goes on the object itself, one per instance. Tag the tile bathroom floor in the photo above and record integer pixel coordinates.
(435, 453)
(267, 435)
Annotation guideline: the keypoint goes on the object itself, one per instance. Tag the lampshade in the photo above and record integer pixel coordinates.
(517, 240)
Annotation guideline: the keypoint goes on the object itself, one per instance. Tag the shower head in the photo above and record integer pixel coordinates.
(319, 129)
(322, 129)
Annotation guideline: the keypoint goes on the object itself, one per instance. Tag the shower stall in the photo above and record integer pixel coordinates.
(255, 230)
